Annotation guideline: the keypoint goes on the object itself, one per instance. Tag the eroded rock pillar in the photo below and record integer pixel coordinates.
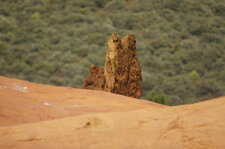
(122, 72)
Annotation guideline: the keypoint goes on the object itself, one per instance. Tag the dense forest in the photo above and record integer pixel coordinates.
(180, 43)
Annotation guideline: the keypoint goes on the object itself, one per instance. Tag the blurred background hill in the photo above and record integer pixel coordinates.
(180, 43)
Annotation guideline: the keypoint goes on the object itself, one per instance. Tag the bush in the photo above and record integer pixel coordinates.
(158, 97)
(194, 76)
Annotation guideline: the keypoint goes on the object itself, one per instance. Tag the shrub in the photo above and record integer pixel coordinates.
(158, 97)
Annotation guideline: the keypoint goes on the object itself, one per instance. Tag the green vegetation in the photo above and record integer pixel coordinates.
(180, 43)
(159, 98)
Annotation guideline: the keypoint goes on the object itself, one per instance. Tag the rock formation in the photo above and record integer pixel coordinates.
(50, 117)
(95, 80)
(122, 72)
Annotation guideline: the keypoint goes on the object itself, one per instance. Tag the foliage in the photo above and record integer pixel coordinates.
(159, 98)
(194, 76)
(180, 43)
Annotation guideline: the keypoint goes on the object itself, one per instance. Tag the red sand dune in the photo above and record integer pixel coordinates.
(44, 116)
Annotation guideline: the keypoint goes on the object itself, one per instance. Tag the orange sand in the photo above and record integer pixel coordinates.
(43, 117)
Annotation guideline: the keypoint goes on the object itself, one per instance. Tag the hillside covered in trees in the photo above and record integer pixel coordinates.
(180, 43)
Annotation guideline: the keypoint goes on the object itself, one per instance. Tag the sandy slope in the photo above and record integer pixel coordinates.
(43, 116)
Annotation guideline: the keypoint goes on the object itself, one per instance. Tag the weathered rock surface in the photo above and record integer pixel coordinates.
(122, 72)
(35, 116)
(95, 80)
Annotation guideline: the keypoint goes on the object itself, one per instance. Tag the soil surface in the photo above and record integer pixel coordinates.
(43, 116)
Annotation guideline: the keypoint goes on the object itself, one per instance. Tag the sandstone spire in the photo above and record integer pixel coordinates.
(122, 72)
(95, 80)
